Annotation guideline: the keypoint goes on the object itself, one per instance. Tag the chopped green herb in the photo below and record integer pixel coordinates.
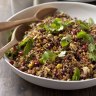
(23, 42)
(86, 37)
(48, 55)
(67, 23)
(82, 34)
(91, 47)
(57, 21)
(57, 25)
(65, 41)
(92, 56)
(91, 21)
(83, 25)
(76, 75)
(28, 46)
(47, 27)
(44, 57)
(90, 38)
(12, 55)
(92, 51)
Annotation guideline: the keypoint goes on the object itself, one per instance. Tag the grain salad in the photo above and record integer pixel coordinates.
(58, 47)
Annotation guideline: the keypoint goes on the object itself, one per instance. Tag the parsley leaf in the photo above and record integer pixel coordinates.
(92, 51)
(92, 56)
(67, 23)
(91, 47)
(44, 57)
(48, 55)
(86, 37)
(90, 38)
(82, 34)
(65, 41)
(57, 25)
(23, 42)
(28, 46)
(76, 75)
(83, 25)
(91, 21)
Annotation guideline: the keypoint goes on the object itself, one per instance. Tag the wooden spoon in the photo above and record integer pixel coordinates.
(39, 15)
(16, 37)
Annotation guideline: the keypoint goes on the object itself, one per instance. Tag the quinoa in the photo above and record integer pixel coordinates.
(58, 47)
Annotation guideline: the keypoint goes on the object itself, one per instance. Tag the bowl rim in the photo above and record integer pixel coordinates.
(55, 2)
(43, 78)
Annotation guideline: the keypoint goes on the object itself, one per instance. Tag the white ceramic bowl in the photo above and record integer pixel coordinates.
(80, 10)
(81, 0)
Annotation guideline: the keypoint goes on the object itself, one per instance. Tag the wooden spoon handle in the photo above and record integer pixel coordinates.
(10, 24)
(6, 47)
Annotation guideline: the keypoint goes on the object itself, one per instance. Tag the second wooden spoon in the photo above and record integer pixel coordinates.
(39, 15)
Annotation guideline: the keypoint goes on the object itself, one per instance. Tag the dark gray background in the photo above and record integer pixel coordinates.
(12, 85)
